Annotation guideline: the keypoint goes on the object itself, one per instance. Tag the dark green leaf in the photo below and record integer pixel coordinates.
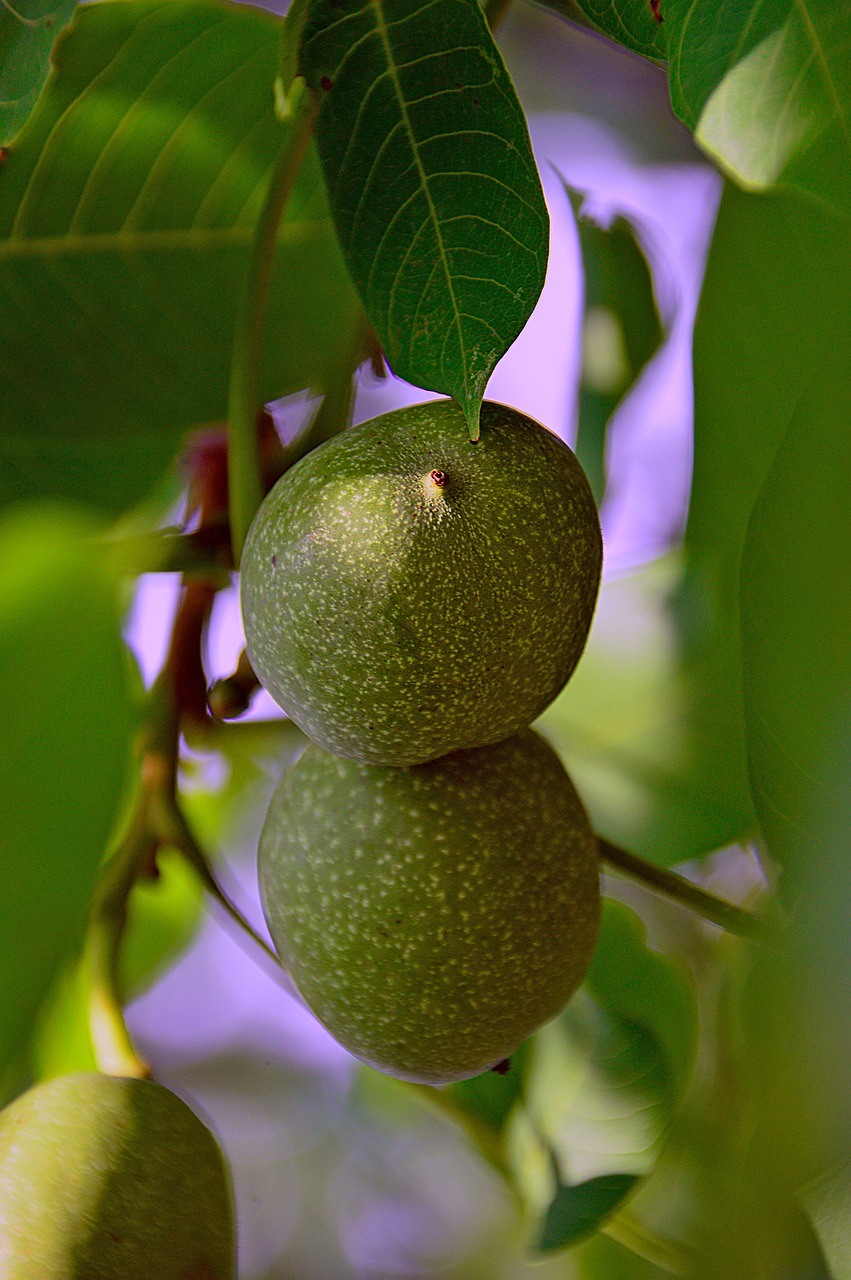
(431, 181)
(621, 330)
(67, 726)
(578, 1211)
(631, 22)
(127, 214)
(28, 29)
(775, 297)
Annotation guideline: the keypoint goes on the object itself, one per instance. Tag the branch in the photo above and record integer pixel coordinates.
(736, 920)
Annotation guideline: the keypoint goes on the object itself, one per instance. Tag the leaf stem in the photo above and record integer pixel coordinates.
(736, 920)
(111, 1042)
(203, 553)
(633, 1235)
(244, 483)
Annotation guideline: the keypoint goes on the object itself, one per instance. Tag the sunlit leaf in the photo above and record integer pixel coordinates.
(828, 1202)
(764, 84)
(431, 181)
(162, 917)
(67, 725)
(28, 29)
(127, 214)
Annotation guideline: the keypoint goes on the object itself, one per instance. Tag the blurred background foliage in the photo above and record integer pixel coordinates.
(687, 1114)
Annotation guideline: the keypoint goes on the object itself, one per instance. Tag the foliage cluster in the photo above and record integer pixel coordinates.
(205, 207)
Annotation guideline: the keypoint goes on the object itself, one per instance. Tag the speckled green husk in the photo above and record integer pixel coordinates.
(396, 618)
(111, 1179)
(432, 917)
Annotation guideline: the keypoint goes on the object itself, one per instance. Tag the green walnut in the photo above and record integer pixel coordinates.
(432, 917)
(111, 1179)
(406, 592)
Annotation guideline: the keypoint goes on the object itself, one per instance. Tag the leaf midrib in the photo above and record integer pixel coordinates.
(392, 69)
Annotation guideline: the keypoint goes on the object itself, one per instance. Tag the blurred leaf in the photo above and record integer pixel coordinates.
(67, 727)
(127, 213)
(796, 633)
(576, 1212)
(766, 86)
(644, 988)
(828, 1203)
(62, 1042)
(601, 1258)
(775, 297)
(27, 32)
(163, 915)
(628, 727)
(432, 183)
(796, 617)
(604, 1082)
(622, 329)
(491, 1097)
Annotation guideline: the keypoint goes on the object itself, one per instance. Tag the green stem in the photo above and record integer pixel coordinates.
(175, 832)
(244, 484)
(734, 919)
(204, 553)
(633, 1235)
(113, 1047)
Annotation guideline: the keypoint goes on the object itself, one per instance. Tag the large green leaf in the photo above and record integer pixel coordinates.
(27, 32)
(796, 634)
(127, 214)
(796, 617)
(67, 722)
(621, 329)
(432, 183)
(764, 84)
(775, 297)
